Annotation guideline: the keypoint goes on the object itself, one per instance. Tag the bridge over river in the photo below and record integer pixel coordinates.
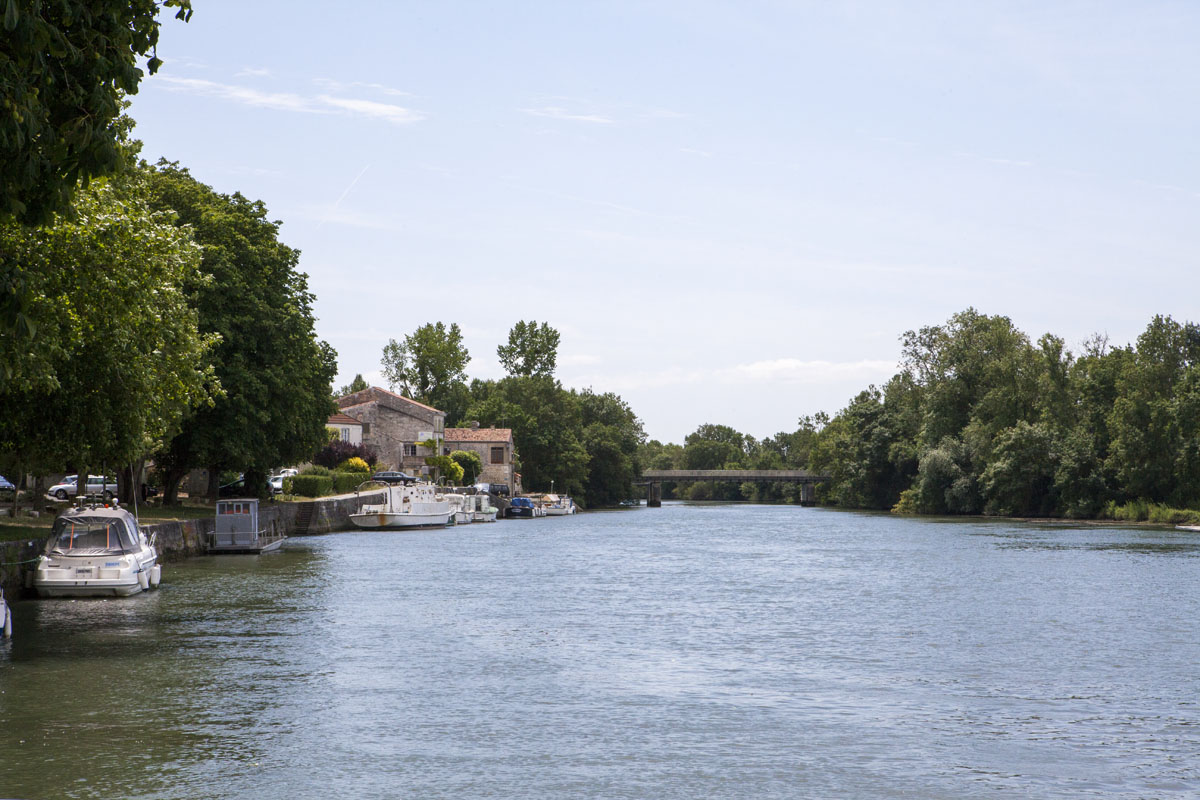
(654, 478)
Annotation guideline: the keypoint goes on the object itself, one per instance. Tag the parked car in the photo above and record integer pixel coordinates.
(6, 487)
(97, 485)
(233, 489)
(276, 484)
(393, 477)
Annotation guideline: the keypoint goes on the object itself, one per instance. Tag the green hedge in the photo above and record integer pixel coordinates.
(346, 482)
(321, 485)
(309, 485)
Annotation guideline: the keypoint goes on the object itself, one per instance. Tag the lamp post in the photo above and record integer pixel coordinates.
(551, 487)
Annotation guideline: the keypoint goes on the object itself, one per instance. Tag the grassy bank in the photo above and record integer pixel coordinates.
(24, 527)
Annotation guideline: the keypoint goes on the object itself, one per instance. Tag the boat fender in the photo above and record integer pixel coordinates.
(155, 575)
(144, 579)
(7, 620)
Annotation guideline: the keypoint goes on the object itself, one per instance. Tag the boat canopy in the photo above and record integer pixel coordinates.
(91, 536)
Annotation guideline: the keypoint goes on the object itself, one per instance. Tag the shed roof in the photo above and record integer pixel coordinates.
(342, 419)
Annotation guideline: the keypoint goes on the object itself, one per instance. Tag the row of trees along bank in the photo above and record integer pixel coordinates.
(141, 312)
(160, 319)
(981, 419)
(580, 442)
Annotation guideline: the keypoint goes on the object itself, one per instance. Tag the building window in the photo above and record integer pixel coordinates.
(410, 449)
(345, 434)
(497, 455)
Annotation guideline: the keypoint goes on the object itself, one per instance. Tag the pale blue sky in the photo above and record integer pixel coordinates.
(731, 211)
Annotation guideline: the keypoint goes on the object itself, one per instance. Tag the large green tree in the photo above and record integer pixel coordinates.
(429, 366)
(612, 436)
(65, 68)
(118, 360)
(532, 349)
(547, 425)
(276, 375)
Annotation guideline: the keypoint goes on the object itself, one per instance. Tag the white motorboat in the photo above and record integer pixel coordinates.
(482, 509)
(401, 506)
(559, 505)
(96, 551)
(237, 529)
(460, 508)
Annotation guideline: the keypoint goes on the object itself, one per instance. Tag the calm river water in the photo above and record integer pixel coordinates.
(693, 651)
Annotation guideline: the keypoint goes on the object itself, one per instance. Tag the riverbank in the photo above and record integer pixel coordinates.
(187, 538)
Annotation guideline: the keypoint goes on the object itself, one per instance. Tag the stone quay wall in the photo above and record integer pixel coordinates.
(188, 538)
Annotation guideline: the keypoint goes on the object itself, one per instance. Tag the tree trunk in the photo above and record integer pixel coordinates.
(214, 483)
(171, 479)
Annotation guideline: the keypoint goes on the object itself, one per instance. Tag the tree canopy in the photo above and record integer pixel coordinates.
(532, 349)
(118, 359)
(65, 69)
(429, 366)
(276, 375)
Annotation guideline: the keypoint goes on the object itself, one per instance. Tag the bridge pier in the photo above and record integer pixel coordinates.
(654, 494)
(808, 494)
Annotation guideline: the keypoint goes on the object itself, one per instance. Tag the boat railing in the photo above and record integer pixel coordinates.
(374, 488)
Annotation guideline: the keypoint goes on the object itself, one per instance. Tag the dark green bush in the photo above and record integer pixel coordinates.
(311, 485)
(345, 482)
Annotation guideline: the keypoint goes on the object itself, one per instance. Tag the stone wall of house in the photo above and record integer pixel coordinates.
(391, 423)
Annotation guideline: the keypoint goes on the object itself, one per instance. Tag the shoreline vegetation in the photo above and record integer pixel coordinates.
(982, 420)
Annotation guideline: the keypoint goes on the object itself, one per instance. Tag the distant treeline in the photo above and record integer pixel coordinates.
(980, 419)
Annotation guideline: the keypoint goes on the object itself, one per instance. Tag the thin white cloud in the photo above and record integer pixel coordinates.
(288, 101)
(253, 72)
(555, 112)
(277, 101)
(397, 115)
(331, 85)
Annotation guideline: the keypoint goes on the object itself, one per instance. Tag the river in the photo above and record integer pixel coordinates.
(692, 651)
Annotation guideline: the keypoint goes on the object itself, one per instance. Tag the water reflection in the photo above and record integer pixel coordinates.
(709, 651)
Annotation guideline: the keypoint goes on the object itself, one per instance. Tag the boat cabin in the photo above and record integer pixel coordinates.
(237, 529)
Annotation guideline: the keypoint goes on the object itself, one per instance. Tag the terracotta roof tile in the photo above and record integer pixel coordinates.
(343, 419)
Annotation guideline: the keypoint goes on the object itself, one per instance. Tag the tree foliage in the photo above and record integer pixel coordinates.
(118, 359)
(532, 349)
(429, 366)
(275, 373)
(981, 419)
(66, 67)
(470, 462)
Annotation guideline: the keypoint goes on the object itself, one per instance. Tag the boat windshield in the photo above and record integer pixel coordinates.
(90, 536)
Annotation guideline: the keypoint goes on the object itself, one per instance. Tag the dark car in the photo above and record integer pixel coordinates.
(235, 489)
(393, 477)
(499, 489)
(6, 487)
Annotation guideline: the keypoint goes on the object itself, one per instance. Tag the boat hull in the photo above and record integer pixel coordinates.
(388, 521)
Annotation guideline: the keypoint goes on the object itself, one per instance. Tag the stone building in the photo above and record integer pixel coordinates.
(495, 449)
(395, 427)
(347, 428)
